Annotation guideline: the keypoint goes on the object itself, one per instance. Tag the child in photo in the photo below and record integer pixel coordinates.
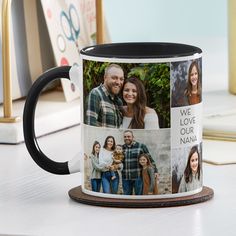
(118, 157)
(96, 179)
(148, 175)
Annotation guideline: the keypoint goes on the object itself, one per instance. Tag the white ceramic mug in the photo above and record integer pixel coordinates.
(141, 130)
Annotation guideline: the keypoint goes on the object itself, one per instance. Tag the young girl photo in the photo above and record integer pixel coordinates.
(148, 175)
(96, 179)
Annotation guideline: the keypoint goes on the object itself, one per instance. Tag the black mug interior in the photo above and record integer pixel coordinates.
(141, 50)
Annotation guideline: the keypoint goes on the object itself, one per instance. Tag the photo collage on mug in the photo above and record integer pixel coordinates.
(127, 128)
(186, 127)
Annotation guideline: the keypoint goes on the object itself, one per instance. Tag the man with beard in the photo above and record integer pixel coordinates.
(103, 107)
(131, 173)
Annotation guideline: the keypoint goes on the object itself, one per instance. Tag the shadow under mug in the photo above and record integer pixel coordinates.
(141, 106)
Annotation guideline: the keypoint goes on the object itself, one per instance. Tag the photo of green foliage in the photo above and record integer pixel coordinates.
(155, 78)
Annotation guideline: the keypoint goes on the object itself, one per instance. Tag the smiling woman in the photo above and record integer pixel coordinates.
(192, 177)
(136, 113)
(187, 83)
(193, 90)
(110, 178)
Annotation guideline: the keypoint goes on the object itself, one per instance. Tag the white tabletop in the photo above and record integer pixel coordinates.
(34, 202)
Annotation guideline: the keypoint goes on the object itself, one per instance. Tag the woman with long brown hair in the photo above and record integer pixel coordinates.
(192, 178)
(193, 90)
(136, 113)
(109, 184)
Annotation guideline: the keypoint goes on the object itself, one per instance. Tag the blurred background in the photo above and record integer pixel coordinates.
(199, 23)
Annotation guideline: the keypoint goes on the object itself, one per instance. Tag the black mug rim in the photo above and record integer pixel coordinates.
(141, 50)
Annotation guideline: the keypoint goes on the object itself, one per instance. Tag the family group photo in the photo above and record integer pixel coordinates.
(186, 83)
(126, 95)
(127, 162)
(187, 169)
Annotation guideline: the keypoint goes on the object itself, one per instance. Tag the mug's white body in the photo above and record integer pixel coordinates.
(168, 146)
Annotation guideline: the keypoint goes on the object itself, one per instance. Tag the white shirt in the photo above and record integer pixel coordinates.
(193, 185)
(150, 121)
(105, 157)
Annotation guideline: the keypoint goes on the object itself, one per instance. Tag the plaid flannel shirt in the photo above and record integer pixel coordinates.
(103, 109)
(131, 169)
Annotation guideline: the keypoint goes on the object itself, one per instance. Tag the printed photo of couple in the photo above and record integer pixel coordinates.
(186, 83)
(128, 162)
(186, 169)
(127, 95)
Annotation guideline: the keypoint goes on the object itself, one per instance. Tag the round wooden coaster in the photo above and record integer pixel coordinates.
(77, 195)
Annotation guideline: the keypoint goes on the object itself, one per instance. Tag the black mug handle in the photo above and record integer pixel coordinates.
(60, 168)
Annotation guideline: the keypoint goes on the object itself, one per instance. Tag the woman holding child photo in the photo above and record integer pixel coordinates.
(136, 113)
(110, 176)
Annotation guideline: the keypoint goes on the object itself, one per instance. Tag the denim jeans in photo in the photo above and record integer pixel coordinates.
(130, 185)
(109, 185)
(96, 184)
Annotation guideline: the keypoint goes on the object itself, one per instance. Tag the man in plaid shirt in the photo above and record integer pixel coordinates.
(131, 179)
(103, 107)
